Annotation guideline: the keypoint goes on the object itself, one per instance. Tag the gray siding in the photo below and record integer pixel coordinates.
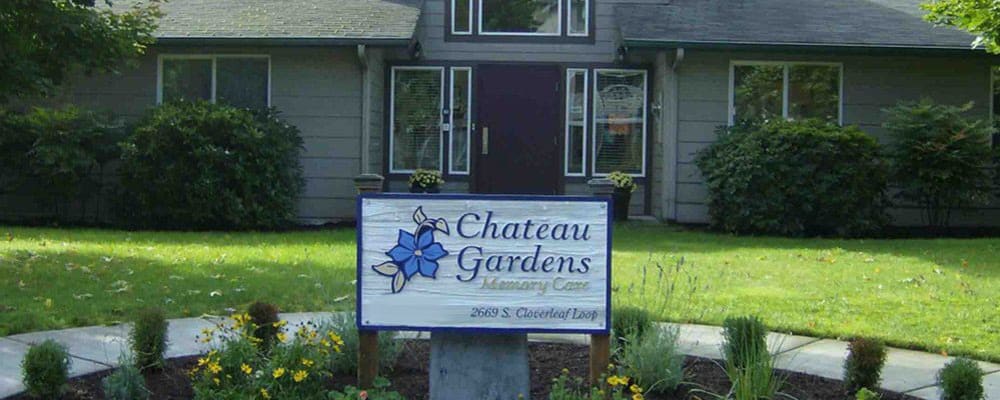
(871, 83)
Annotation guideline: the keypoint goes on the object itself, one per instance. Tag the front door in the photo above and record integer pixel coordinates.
(518, 129)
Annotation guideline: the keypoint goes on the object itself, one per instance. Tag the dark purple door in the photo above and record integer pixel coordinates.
(518, 129)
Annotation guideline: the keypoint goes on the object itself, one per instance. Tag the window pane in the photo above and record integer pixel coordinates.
(460, 16)
(520, 16)
(578, 15)
(576, 120)
(619, 114)
(758, 92)
(242, 82)
(814, 92)
(460, 121)
(187, 80)
(416, 125)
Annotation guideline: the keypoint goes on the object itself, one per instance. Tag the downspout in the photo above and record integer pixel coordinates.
(365, 109)
(669, 110)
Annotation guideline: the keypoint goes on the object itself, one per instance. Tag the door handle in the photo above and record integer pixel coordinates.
(486, 141)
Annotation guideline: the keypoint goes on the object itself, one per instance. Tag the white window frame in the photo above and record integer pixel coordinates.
(392, 116)
(645, 120)
(454, 18)
(214, 58)
(558, 32)
(570, 73)
(784, 85)
(468, 123)
(586, 19)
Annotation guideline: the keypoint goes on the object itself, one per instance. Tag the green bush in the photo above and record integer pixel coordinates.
(630, 321)
(863, 366)
(939, 159)
(347, 361)
(201, 165)
(265, 321)
(753, 376)
(654, 361)
(126, 383)
(148, 338)
(743, 337)
(45, 370)
(961, 379)
(865, 394)
(795, 178)
(16, 140)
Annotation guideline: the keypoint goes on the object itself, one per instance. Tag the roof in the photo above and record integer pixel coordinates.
(283, 21)
(831, 23)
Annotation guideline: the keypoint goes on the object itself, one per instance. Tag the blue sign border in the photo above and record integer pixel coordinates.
(358, 273)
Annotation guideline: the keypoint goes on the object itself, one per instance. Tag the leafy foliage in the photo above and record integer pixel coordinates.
(265, 319)
(347, 361)
(749, 365)
(202, 165)
(148, 338)
(653, 360)
(630, 321)
(939, 159)
(795, 178)
(863, 366)
(126, 383)
(979, 17)
(380, 391)
(614, 387)
(43, 42)
(865, 394)
(45, 369)
(742, 337)
(961, 379)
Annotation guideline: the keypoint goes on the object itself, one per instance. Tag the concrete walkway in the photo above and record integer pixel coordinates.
(97, 348)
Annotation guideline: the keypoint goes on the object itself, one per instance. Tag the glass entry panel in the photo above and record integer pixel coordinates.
(415, 137)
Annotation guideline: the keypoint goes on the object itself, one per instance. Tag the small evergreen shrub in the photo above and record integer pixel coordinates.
(630, 321)
(863, 366)
(45, 369)
(209, 166)
(126, 383)
(743, 338)
(961, 379)
(265, 327)
(149, 338)
(795, 178)
(347, 361)
(653, 360)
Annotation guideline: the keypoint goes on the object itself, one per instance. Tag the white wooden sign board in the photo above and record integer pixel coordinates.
(484, 263)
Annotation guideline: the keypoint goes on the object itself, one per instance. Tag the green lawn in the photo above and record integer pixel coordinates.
(939, 295)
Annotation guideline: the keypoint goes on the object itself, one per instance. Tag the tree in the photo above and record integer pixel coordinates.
(43, 41)
(979, 17)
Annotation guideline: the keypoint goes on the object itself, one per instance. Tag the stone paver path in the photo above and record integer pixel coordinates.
(98, 348)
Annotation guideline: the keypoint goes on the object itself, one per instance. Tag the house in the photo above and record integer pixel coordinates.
(538, 96)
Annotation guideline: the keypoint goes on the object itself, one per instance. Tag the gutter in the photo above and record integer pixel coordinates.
(282, 41)
(845, 47)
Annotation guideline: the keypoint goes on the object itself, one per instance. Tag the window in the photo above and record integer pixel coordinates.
(461, 119)
(579, 17)
(619, 121)
(415, 132)
(521, 17)
(239, 81)
(576, 122)
(765, 91)
(461, 17)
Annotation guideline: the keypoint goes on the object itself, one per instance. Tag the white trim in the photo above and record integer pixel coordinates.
(392, 115)
(558, 32)
(469, 17)
(214, 78)
(645, 122)
(586, 19)
(786, 67)
(570, 73)
(468, 122)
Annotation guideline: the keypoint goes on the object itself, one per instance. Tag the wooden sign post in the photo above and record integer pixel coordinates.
(480, 273)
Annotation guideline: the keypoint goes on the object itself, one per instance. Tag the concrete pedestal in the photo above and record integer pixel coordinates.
(482, 367)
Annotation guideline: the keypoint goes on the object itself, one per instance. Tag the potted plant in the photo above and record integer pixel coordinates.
(426, 181)
(624, 186)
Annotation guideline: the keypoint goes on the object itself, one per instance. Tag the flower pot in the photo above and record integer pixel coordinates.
(416, 189)
(622, 200)
(421, 189)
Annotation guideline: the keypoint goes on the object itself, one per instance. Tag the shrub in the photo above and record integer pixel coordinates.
(201, 165)
(939, 159)
(45, 369)
(753, 376)
(961, 379)
(654, 361)
(149, 338)
(347, 361)
(743, 337)
(15, 144)
(863, 366)
(795, 178)
(630, 321)
(126, 383)
(265, 326)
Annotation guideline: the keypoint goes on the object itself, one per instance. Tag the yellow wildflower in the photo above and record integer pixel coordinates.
(264, 393)
(202, 362)
(635, 388)
(214, 367)
(246, 369)
(278, 373)
(280, 324)
(281, 337)
(637, 396)
(307, 362)
(300, 376)
(216, 380)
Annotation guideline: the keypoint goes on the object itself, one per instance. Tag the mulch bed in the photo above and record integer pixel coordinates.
(410, 374)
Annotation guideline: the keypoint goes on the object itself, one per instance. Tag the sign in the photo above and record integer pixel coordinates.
(484, 263)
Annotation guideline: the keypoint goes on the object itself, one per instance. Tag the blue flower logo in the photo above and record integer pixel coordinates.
(415, 253)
